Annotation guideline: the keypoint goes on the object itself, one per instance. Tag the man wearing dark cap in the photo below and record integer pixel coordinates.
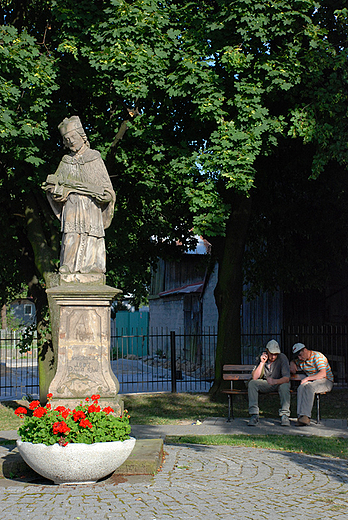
(319, 379)
(271, 374)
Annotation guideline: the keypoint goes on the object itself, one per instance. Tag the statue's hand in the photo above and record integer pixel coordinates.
(60, 193)
(104, 198)
(48, 186)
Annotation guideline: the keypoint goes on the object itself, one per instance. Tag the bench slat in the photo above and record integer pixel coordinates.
(236, 377)
(237, 368)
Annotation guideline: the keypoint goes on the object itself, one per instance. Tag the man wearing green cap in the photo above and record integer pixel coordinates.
(272, 373)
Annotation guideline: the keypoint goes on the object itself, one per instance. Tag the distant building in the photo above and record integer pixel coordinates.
(182, 300)
(182, 293)
(21, 313)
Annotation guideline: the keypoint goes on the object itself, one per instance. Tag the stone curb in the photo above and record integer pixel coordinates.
(145, 459)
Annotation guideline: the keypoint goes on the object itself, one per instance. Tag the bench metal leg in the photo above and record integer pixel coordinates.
(318, 408)
(230, 408)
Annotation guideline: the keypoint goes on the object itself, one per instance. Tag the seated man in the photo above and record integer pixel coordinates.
(272, 373)
(319, 379)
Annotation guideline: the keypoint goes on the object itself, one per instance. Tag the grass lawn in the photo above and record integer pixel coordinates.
(167, 408)
(182, 408)
(8, 420)
(323, 446)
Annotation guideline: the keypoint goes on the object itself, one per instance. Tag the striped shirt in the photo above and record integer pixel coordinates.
(314, 364)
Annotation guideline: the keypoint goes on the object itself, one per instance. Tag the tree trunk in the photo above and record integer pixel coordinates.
(45, 258)
(229, 289)
(3, 317)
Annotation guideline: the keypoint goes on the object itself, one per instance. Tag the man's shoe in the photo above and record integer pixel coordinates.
(303, 420)
(284, 420)
(254, 420)
(300, 423)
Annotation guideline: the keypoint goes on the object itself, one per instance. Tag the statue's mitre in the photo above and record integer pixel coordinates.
(69, 124)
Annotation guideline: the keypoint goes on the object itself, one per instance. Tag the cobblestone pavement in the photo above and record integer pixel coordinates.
(198, 482)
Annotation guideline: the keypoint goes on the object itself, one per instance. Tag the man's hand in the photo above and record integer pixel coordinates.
(272, 381)
(263, 357)
(319, 375)
(293, 367)
(256, 374)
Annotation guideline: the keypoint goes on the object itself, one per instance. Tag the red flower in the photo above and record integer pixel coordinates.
(34, 404)
(49, 396)
(39, 412)
(48, 406)
(85, 423)
(108, 410)
(21, 411)
(60, 427)
(79, 415)
(65, 413)
(60, 409)
(95, 397)
(93, 408)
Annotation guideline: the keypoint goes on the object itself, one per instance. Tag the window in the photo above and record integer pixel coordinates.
(27, 309)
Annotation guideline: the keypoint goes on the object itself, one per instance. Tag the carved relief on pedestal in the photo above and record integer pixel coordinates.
(83, 361)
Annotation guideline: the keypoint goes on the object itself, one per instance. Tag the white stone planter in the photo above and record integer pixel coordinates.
(76, 463)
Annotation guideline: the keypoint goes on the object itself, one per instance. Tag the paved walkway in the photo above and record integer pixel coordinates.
(202, 482)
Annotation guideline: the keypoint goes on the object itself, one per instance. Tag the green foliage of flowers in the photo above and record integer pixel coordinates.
(87, 423)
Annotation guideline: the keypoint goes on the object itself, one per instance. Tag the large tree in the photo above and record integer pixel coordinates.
(219, 85)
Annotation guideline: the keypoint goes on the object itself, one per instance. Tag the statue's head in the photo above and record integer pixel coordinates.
(74, 136)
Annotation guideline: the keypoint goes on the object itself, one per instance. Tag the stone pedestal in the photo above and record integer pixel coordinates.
(83, 367)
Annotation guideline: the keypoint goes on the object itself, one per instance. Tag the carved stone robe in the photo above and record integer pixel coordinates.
(82, 197)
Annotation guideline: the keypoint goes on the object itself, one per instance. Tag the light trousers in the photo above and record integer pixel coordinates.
(306, 393)
(260, 385)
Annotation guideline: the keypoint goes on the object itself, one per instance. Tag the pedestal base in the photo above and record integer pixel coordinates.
(83, 367)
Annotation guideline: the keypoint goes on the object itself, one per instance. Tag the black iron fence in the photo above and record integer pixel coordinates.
(162, 361)
(18, 371)
(167, 361)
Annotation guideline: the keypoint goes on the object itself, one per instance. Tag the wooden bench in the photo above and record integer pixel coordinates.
(243, 373)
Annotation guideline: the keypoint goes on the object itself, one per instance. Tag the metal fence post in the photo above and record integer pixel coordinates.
(173, 360)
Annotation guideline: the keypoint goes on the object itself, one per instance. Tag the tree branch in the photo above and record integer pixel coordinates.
(133, 113)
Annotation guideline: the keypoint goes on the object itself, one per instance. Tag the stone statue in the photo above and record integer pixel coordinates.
(82, 197)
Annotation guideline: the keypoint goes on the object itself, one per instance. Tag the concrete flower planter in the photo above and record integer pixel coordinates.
(76, 463)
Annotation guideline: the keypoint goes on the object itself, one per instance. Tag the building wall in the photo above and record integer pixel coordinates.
(165, 314)
(263, 314)
(210, 314)
(172, 274)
